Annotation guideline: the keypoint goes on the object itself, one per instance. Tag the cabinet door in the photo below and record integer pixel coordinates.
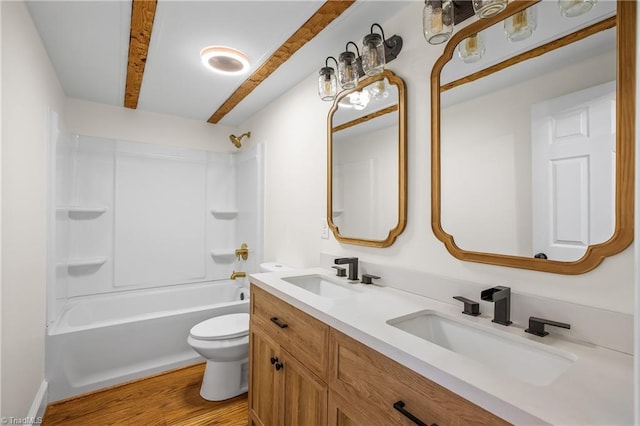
(342, 413)
(305, 395)
(264, 379)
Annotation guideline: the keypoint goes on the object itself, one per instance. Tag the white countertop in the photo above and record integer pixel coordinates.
(596, 389)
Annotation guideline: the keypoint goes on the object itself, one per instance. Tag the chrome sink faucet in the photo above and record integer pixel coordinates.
(501, 297)
(353, 266)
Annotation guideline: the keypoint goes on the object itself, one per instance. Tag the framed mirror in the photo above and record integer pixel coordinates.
(367, 162)
(532, 145)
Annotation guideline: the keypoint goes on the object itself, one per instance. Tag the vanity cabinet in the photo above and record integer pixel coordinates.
(375, 385)
(302, 372)
(288, 356)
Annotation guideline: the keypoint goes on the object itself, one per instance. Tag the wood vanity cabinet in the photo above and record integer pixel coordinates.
(302, 372)
(288, 360)
(368, 384)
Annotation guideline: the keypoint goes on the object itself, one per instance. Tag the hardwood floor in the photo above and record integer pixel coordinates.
(170, 399)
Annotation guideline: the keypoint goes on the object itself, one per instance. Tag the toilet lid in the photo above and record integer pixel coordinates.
(222, 327)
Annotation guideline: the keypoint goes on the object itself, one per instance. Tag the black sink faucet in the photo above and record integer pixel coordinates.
(501, 297)
(353, 266)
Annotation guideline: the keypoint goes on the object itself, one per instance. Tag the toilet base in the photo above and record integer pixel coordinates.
(224, 380)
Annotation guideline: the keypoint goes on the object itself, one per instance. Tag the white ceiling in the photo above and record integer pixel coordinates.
(87, 42)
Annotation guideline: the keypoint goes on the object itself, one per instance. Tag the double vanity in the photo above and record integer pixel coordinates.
(326, 350)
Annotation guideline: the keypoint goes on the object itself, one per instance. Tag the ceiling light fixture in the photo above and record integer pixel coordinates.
(224, 60)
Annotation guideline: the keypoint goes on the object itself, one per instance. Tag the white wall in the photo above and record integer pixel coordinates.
(1, 217)
(30, 88)
(114, 122)
(294, 131)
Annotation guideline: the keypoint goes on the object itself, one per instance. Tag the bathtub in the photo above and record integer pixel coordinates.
(99, 341)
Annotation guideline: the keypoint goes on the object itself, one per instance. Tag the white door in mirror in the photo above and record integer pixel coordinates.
(573, 170)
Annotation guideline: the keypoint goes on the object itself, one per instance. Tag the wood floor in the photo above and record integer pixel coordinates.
(168, 399)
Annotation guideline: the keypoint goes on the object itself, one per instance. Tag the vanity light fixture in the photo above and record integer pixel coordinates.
(573, 8)
(472, 48)
(377, 51)
(359, 99)
(488, 8)
(327, 83)
(373, 52)
(437, 20)
(378, 90)
(348, 70)
(224, 60)
(521, 25)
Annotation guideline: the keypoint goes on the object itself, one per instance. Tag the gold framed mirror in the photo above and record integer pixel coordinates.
(495, 198)
(367, 162)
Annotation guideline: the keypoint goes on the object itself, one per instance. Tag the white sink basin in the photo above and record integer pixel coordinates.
(519, 358)
(320, 285)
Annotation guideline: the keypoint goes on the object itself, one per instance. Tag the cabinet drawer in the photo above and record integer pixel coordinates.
(374, 383)
(303, 336)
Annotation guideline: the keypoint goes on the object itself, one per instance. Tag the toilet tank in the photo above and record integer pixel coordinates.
(274, 267)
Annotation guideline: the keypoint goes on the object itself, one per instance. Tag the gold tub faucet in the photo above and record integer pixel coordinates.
(235, 275)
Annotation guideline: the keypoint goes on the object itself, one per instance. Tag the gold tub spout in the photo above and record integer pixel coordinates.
(235, 275)
(242, 252)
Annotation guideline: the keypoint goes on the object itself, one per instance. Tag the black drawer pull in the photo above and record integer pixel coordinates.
(279, 366)
(400, 407)
(274, 360)
(277, 322)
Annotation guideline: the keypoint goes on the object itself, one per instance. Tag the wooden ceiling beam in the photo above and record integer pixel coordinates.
(329, 11)
(143, 13)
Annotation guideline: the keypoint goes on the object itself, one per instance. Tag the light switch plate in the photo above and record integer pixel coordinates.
(324, 229)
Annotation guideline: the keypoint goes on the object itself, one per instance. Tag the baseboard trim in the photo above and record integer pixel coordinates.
(39, 405)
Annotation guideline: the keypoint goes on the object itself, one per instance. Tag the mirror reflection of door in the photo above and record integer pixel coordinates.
(487, 170)
(573, 153)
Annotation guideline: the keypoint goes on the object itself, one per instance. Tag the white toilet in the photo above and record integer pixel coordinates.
(224, 342)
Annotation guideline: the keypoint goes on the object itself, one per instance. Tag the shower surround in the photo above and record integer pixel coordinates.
(131, 221)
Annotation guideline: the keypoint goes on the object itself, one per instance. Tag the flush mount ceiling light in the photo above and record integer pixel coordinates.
(224, 60)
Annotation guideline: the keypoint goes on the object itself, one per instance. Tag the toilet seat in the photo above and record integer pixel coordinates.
(224, 327)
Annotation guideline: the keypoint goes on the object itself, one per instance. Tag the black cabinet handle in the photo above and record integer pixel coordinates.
(279, 366)
(277, 322)
(400, 407)
(274, 360)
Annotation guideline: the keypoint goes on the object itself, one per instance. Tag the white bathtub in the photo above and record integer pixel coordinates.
(103, 340)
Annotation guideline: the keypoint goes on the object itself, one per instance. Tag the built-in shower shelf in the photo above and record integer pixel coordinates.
(83, 211)
(224, 213)
(224, 253)
(85, 262)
